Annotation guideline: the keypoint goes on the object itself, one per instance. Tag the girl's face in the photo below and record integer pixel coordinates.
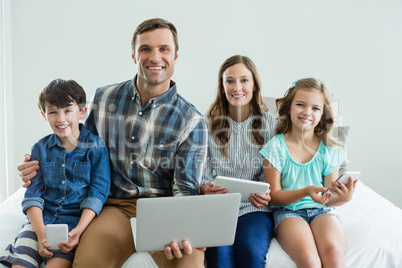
(238, 85)
(306, 109)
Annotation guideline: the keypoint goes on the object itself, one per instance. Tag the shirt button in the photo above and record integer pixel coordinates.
(62, 165)
(133, 138)
(60, 206)
(161, 145)
(140, 113)
(154, 106)
(132, 162)
(132, 98)
(63, 182)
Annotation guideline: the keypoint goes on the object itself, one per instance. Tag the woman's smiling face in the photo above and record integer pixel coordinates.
(238, 85)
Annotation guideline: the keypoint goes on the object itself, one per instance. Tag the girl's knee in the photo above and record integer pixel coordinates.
(308, 259)
(333, 256)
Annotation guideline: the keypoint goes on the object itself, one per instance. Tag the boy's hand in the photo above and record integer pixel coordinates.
(43, 246)
(74, 238)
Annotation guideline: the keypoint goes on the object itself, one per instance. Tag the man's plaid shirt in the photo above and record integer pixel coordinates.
(157, 150)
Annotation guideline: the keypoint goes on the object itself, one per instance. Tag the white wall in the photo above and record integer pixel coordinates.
(6, 115)
(352, 45)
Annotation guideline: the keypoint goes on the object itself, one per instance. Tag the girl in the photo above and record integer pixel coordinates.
(301, 161)
(239, 125)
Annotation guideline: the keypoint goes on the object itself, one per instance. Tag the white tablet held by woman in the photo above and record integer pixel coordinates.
(244, 187)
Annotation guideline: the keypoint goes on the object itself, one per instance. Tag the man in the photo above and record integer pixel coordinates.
(157, 146)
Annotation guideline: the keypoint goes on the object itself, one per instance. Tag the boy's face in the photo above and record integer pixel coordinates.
(65, 121)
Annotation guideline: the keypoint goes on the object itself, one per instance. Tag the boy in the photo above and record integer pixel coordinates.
(72, 184)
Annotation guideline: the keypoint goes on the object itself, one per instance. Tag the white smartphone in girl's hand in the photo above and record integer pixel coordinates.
(345, 178)
(56, 234)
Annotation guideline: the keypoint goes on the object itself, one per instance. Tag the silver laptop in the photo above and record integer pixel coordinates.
(202, 220)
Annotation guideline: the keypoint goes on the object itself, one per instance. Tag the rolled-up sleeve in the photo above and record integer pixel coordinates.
(28, 202)
(190, 162)
(92, 203)
(100, 179)
(34, 193)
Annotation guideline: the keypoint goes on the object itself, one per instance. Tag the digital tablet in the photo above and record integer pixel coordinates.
(244, 187)
(202, 220)
(56, 234)
(345, 178)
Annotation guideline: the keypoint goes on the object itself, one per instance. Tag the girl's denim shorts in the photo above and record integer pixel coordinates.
(307, 214)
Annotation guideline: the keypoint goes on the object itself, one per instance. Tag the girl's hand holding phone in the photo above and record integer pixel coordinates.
(318, 194)
(344, 192)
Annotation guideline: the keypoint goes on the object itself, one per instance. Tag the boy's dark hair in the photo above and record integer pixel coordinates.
(61, 93)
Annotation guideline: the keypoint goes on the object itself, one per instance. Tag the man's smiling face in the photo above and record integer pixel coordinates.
(155, 56)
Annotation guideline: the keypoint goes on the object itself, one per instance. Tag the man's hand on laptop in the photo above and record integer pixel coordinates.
(27, 170)
(174, 251)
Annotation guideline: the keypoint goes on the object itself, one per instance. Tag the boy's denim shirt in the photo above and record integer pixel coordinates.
(64, 186)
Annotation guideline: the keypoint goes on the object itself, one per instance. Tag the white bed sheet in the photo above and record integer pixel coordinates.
(373, 232)
(372, 226)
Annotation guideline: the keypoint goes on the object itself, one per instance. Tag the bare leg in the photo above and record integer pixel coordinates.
(58, 263)
(296, 238)
(331, 240)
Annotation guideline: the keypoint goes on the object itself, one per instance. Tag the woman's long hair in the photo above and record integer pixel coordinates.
(218, 113)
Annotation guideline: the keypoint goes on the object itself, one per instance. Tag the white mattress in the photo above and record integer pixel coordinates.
(373, 232)
(372, 226)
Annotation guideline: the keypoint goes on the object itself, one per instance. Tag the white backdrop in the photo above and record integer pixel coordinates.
(352, 45)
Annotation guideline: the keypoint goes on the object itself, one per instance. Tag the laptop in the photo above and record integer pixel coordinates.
(202, 220)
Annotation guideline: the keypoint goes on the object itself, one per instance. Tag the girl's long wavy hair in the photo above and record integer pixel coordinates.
(218, 113)
(325, 127)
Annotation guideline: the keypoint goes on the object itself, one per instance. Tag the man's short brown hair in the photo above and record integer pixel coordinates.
(152, 24)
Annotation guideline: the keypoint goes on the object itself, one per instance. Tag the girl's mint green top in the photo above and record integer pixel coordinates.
(294, 175)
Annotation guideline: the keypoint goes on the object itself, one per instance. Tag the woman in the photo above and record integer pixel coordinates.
(239, 125)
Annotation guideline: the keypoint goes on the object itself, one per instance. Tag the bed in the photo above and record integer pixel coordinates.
(372, 226)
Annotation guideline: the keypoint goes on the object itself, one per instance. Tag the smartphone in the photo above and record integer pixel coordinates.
(345, 178)
(56, 234)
